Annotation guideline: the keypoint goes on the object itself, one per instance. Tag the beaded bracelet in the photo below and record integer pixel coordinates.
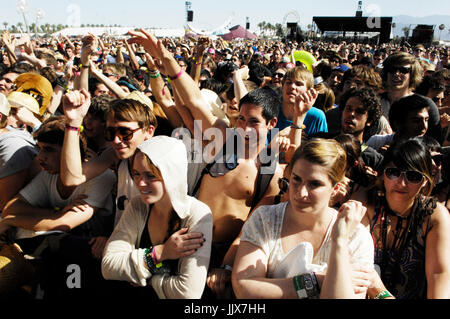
(298, 127)
(150, 261)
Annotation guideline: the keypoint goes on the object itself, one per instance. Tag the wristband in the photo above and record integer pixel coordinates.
(176, 76)
(155, 75)
(383, 295)
(84, 66)
(74, 128)
(298, 284)
(298, 127)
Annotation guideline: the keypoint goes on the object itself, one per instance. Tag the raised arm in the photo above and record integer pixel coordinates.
(73, 171)
(90, 42)
(110, 84)
(184, 84)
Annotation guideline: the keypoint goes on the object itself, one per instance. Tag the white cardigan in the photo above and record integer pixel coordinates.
(123, 261)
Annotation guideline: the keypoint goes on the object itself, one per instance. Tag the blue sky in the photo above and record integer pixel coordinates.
(209, 14)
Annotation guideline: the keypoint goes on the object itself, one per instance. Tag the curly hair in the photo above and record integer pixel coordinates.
(371, 101)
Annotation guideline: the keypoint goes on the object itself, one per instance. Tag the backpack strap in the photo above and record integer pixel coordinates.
(263, 179)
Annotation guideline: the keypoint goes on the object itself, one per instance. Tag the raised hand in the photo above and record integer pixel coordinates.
(76, 104)
(349, 217)
(150, 43)
(305, 101)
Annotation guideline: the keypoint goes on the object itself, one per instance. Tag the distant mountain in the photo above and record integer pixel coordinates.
(402, 21)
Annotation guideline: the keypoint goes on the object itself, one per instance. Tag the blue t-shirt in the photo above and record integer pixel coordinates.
(315, 121)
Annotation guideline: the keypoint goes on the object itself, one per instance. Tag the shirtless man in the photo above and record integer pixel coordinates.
(229, 196)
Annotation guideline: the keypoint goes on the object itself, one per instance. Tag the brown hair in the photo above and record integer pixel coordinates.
(129, 110)
(403, 58)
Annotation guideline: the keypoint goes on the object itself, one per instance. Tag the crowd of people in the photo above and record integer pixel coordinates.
(211, 169)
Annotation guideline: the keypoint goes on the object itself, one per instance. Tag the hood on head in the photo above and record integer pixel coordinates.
(169, 155)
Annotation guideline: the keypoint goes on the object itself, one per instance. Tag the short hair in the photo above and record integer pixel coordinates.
(402, 58)
(52, 131)
(403, 106)
(18, 68)
(327, 153)
(49, 58)
(265, 98)
(430, 83)
(300, 73)
(118, 68)
(368, 75)
(129, 110)
(100, 106)
(212, 84)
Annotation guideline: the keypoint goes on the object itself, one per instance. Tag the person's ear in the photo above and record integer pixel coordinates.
(149, 132)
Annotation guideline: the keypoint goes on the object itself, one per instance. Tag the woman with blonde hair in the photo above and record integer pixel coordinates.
(286, 249)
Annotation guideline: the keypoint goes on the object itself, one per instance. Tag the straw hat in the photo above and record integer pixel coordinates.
(38, 87)
(20, 99)
(5, 108)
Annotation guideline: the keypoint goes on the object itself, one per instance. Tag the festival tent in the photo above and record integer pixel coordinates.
(238, 32)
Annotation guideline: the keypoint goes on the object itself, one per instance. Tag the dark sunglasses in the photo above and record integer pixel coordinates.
(283, 184)
(438, 159)
(109, 74)
(401, 69)
(124, 133)
(278, 75)
(412, 177)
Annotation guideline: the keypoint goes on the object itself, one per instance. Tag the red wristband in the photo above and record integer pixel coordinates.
(176, 76)
(74, 128)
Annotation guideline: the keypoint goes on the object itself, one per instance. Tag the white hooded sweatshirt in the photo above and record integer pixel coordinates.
(122, 260)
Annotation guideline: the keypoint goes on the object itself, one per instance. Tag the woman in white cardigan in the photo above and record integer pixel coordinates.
(163, 238)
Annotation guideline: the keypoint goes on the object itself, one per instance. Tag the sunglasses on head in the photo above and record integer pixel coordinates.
(124, 133)
(412, 177)
(401, 69)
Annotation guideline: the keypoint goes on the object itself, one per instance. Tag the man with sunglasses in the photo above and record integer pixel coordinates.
(128, 124)
(401, 75)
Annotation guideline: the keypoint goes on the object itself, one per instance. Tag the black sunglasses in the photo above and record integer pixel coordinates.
(401, 69)
(278, 75)
(394, 173)
(109, 74)
(124, 133)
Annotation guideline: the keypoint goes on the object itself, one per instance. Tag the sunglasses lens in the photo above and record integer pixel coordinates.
(414, 177)
(125, 134)
(392, 173)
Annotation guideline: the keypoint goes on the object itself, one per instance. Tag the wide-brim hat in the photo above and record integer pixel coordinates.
(5, 108)
(20, 99)
(38, 87)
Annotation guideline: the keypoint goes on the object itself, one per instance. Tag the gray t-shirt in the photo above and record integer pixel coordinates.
(17, 150)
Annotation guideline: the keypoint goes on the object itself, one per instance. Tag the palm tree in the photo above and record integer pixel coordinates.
(6, 25)
(441, 27)
(20, 24)
(406, 32)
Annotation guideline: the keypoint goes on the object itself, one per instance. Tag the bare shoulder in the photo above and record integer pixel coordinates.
(440, 216)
